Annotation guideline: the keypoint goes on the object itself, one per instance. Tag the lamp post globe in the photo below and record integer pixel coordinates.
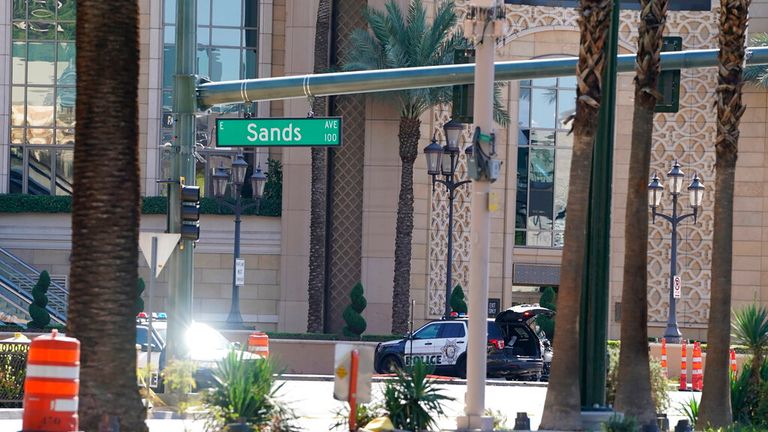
(239, 167)
(434, 154)
(258, 181)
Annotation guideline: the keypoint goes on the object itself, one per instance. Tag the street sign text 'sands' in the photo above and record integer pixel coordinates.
(278, 132)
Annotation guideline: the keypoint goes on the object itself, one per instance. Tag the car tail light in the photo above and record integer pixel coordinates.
(497, 343)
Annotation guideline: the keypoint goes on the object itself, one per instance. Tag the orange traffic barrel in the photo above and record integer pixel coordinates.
(664, 368)
(258, 343)
(52, 384)
(697, 374)
(683, 369)
(734, 365)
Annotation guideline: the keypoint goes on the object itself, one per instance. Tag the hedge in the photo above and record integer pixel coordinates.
(271, 203)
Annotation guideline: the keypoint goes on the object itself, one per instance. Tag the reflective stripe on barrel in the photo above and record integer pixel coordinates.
(52, 384)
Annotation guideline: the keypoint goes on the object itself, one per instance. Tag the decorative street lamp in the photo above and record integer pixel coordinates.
(696, 194)
(220, 179)
(445, 160)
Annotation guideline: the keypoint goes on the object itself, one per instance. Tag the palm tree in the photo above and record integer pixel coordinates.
(633, 394)
(750, 328)
(397, 42)
(715, 407)
(562, 408)
(105, 214)
(318, 192)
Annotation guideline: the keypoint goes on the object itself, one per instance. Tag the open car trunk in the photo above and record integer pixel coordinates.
(516, 324)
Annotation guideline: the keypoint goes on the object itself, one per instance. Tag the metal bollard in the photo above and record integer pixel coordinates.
(522, 422)
(663, 422)
(683, 426)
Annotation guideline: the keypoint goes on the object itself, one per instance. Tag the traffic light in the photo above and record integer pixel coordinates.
(190, 212)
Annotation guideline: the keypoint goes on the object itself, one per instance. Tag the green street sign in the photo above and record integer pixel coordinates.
(278, 132)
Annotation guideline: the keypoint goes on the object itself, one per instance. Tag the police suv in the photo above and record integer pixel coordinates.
(514, 349)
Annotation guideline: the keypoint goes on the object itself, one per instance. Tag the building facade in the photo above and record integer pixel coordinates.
(240, 39)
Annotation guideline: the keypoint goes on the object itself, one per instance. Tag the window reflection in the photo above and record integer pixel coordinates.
(543, 160)
(227, 38)
(39, 171)
(43, 96)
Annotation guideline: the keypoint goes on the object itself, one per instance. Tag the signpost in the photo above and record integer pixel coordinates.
(278, 132)
(353, 369)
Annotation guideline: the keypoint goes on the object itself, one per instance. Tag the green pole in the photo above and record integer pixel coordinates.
(182, 167)
(594, 300)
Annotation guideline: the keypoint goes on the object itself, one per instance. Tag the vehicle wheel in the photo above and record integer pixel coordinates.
(390, 364)
(461, 367)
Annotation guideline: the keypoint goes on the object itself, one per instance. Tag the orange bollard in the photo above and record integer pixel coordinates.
(52, 384)
(664, 368)
(734, 366)
(258, 343)
(697, 377)
(683, 369)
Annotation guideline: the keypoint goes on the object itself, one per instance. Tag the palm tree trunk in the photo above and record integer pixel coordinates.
(318, 193)
(633, 394)
(562, 408)
(410, 131)
(715, 407)
(105, 214)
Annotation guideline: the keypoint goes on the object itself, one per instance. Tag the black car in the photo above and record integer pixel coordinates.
(514, 349)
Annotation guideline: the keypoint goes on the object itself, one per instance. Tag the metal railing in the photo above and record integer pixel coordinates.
(13, 370)
(20, 277)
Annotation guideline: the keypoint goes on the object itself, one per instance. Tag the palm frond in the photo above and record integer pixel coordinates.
(750, 327)
(500, 113)
(378, 23)
(417, 29)
(368, 54)
(440, 35)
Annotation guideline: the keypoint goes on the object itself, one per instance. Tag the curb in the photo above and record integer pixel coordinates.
(439, 379)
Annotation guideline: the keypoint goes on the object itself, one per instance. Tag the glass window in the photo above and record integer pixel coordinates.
(227, 35)
(453, 330)
(43, 96)
(543, 160)
(429, 331)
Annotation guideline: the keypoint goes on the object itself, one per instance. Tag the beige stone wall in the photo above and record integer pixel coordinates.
(294, 265)
(43, 241)
(5, 93)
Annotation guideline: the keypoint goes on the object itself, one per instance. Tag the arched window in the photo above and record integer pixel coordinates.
(543, 160)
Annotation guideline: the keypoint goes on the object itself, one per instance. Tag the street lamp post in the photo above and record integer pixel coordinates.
(220, 180)
(696, 193)
(445, 160)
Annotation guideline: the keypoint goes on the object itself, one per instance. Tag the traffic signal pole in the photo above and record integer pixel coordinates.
(181, 275)
(481, 26)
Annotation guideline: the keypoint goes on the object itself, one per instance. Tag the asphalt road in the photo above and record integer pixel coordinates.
(313, 403)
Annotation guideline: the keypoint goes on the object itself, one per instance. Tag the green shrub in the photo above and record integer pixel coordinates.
(458, 302)
(364, 414)
(245, 392)
(412, 399)
(356, 324)
(547, 324)
(271, 202)
(690, 409)
(658, 380)
(37, 309)
(179, 379)
(620, 424)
